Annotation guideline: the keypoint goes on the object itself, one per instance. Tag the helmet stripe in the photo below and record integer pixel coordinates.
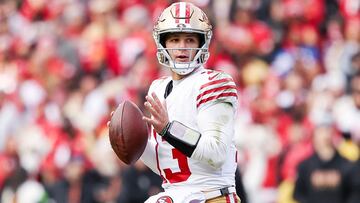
(182, 13)
(177, 12)
(187, 14)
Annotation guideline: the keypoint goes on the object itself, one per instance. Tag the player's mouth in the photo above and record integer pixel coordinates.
(182, 58)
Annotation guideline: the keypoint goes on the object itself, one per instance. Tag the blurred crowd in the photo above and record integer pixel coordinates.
(66, 64)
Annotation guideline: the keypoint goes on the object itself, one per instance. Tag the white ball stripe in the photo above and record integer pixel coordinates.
(182, 13)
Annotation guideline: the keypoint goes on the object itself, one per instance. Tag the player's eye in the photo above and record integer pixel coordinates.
(174, 40)
(190, 40)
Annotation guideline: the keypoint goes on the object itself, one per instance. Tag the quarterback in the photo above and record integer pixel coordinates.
(192, 114)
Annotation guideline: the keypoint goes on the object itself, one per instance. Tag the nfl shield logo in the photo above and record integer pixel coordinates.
(164, 199)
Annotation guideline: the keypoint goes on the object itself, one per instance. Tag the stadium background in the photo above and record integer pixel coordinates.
(66, 64)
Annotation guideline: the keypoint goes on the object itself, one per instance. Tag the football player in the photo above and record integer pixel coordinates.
(192, 113)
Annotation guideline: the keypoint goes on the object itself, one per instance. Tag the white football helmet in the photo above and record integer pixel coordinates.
(183, 17)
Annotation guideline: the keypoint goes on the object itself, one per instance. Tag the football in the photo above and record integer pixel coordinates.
(128, 133)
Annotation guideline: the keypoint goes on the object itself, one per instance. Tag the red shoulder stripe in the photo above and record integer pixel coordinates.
(216, 82)
(225, 94)
(225, 87)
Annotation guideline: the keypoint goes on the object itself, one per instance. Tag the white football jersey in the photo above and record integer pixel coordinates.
(190, 95)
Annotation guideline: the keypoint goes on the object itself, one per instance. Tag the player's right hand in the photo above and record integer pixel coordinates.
(159, 116)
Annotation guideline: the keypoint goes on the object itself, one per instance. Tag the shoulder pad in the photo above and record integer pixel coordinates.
(216, 87)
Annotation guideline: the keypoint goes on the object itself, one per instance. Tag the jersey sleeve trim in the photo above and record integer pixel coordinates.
(216, 82)
(223, 89)
(228, 94)
(210, 91)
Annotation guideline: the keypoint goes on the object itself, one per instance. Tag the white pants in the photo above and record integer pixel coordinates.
(178, 196)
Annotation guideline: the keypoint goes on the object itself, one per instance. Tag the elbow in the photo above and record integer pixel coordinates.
(216, 163)
(211, 151)
(218, 157)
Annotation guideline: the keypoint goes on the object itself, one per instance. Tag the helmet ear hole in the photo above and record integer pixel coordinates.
(161, 57)
(203, 58)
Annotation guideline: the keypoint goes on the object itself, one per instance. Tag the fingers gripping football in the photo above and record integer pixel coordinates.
(159, 116)
(111, 115)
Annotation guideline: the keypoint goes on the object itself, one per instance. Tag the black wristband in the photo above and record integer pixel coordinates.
(182, 145)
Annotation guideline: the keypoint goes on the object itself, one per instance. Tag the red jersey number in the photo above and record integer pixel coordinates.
(184, 172)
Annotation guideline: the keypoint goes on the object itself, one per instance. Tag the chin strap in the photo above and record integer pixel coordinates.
(183, 68)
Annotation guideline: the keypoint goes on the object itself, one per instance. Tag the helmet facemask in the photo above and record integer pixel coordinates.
(183, 68)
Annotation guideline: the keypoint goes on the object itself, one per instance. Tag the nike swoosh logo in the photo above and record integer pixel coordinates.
(212, 77)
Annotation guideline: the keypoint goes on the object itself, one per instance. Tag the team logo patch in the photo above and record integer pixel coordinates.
(165, 199)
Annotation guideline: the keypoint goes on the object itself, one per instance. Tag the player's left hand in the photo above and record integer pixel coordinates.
(159, 116)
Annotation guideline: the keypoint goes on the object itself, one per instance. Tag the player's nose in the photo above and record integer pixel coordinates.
(182, 43)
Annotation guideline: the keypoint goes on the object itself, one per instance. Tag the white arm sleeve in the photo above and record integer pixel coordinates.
(216, 125)
(149, 156)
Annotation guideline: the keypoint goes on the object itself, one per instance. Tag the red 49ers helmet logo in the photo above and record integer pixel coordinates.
(164, 199)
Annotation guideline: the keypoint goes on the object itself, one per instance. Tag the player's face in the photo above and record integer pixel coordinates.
(180, 45)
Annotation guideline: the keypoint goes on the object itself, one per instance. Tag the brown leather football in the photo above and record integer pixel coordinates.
(128, 133)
